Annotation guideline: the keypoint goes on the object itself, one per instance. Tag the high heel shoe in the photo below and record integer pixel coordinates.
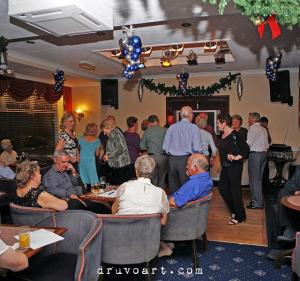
(233, 221)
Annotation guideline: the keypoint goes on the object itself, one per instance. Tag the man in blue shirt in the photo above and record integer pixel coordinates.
(197, 186)
(182, 139)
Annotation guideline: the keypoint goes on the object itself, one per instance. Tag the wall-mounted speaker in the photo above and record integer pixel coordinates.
(109, 92)
(280, 89)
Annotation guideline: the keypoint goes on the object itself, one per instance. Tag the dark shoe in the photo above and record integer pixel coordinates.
(253, 207)
(288, 235)
(273, 254)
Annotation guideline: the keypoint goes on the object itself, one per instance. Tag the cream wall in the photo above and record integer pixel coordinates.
(283, 120)
(89, 100)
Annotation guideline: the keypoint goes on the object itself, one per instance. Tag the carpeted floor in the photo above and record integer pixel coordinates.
(223, 262)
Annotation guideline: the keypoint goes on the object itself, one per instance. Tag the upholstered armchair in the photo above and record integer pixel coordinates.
(188, 223)
(28, 215)
(296, 259)
(77, 257)
(130, 239)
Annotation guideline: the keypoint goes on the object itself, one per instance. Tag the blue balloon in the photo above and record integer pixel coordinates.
(134, 56)
(136, 41)
(138, 50)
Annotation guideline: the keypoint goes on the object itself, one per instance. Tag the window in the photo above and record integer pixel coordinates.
(31, 124)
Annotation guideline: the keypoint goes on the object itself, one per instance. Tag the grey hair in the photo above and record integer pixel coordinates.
(200, 163)
(144, 166)
(60, 153)
(255, 116)
(185, 111)
(64, 118)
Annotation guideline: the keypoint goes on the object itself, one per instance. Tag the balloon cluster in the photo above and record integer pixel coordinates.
(131, 49)
(59, 77)
(182, 79)
(272, 65)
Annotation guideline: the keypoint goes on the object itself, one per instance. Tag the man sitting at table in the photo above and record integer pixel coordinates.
(198, 185)
(62, 181)
(140, 196)
(286, 218)
(10, 259)
(6, 172)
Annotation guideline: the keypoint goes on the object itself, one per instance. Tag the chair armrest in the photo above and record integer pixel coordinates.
(296, 256)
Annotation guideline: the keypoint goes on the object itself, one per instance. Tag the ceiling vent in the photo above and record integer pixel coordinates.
(63, 17)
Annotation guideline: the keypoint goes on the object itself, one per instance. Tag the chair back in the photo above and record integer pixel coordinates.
(188, 222)
(28, 215)
(296, 256)
(8, 186)
(130, 239)
(83, 238)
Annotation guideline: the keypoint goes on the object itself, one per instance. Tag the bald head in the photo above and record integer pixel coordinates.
(196, 164)
(187, 112)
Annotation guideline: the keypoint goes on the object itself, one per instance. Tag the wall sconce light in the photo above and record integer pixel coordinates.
(165, 63)
(79, 113)
(192, 58)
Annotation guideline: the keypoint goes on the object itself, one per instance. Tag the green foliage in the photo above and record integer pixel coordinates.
(286, 11)
(161, 88)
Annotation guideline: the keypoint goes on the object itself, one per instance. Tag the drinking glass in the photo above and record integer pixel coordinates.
(24, 238)
(95, 188)
(102, 183)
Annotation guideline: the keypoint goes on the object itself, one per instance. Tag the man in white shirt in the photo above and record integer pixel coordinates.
(257, 139)
(10, 259)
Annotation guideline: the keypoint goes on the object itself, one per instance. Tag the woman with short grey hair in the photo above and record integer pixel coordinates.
(144, 166)
(140, 196)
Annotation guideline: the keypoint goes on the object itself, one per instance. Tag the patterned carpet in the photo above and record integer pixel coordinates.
(222, 262)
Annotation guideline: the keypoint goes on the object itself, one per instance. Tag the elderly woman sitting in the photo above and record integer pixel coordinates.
(29, 193)
(140, 196)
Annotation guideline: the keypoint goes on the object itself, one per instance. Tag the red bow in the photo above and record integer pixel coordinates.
(275, 29)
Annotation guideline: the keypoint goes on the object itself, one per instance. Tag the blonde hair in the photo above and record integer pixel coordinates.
(91, 129)
(108, 123)
(25, 171)
(64, 118)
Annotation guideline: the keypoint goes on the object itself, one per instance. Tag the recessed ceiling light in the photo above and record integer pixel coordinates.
(186, 24)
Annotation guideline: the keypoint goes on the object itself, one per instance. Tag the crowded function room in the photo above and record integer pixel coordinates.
(149, 140)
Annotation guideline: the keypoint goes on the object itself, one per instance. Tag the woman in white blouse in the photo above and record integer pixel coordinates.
(140, 196)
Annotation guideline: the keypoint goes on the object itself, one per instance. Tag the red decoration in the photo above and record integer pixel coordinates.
(274, 26)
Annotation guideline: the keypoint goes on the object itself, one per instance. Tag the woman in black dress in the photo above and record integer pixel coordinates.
(233, 149)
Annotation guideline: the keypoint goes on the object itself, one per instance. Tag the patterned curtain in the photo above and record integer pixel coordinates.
(20, 89)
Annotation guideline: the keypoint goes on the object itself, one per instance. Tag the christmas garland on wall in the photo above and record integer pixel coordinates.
(162, 89)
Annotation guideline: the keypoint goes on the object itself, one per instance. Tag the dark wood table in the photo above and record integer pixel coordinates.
(7, 233)
(98, 198)
(291, 202)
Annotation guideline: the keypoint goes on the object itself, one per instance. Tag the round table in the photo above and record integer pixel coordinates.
(291, 202)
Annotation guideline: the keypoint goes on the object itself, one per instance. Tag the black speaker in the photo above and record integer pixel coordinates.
(109, 92)
(280, 89)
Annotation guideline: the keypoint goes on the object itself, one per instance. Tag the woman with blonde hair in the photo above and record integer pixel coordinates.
(89, 149)
(67, 139)
(116, 154)
(29, 192)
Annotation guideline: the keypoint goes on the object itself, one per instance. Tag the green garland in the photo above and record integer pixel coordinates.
(286, 11)
(161, 88)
